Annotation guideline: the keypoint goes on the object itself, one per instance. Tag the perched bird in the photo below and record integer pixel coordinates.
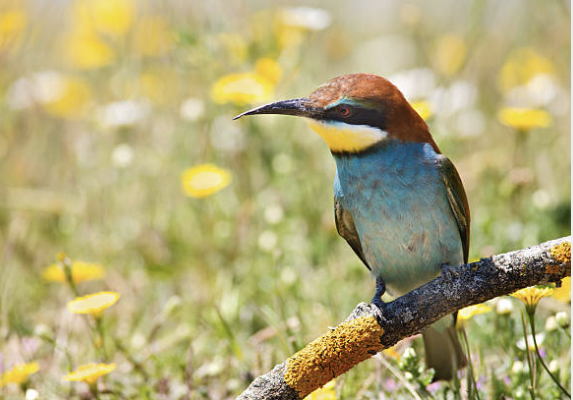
(398, 201)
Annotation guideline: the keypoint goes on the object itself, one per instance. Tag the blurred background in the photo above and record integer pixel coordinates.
(119, 157)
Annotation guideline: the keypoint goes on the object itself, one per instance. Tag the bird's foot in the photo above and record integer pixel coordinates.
(448, 273)
(377, 300)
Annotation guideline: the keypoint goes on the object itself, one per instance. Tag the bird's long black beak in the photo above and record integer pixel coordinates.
(299, 107)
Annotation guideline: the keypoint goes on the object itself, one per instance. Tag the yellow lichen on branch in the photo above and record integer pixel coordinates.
(332, 354)
(562, 253)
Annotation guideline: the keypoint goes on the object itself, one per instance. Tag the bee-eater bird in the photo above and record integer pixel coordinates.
(399, 203)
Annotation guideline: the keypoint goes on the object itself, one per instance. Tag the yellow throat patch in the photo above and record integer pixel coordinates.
(341, 137)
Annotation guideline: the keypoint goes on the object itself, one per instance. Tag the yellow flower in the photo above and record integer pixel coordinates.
(327, 392)
(242, 89)
(86, 50)
(19, 374)
(450, 54)
(269, 68)
(563, 293)
(113, 17)
(466, 313)
(204, 180)
(522, 65)
(153, 37)
(531, 296)
(84, 46)
(89, 373)
(423, 109)
(65, 96)
(524, 118)
(93, 304)
(12, 26)
(110, 17)
(391, 352)
(81, 271)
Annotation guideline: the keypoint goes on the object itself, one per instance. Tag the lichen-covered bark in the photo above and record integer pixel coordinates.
(270, 386)
(412, 313)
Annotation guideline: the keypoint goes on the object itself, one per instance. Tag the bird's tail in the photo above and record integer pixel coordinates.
(443, 351)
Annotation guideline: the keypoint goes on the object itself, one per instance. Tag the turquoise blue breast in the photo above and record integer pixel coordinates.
(399, 204)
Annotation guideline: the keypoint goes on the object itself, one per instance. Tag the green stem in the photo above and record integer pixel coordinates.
(93, 390)
(67, 267)
(470, 364)
(529, 362)
(101, 335)
(532, 326)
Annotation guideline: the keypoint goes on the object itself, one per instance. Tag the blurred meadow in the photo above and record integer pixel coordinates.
(208, 245)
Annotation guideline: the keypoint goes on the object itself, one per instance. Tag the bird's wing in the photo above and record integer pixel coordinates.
(346, 228)
(458, 201)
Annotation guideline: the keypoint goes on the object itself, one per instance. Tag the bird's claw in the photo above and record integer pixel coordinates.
(377, 300)
(377, 312)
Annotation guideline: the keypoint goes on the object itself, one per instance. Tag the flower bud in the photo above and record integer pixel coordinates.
(43, 332)
(518, 367)
(551, 324)
(409, 353)
(562, 319)
(519, 393)
(553, 366)
(504, 306)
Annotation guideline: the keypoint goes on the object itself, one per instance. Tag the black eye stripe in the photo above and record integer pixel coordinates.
(358, 116)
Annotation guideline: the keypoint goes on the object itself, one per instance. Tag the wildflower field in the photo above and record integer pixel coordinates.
(153, 248)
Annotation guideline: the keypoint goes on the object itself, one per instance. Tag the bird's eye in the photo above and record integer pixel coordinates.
(344, 111)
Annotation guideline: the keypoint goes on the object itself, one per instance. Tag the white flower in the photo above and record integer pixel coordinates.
(518, 367)
(274, 214)
(314, 19)
(461, 95)
(542, 199)
(122, 155)
(562, 319)
(504, 306)
(122, 113)
(551, 324)
(191, 109)
(20, 94)
(42, 331)
(41, 87)
(409, 353)
(415, 83)
(267, 240)
(539, 91)
(540, 337)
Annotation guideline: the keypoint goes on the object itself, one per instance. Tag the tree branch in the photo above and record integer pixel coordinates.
(361, 335)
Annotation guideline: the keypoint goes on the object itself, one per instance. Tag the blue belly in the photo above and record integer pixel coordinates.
(399, 204)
